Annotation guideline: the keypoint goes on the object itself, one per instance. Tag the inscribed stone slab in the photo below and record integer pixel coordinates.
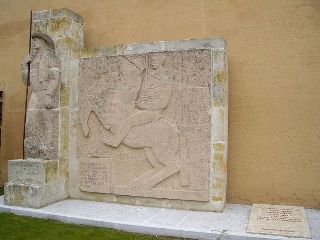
(278, 220)
(96, 175)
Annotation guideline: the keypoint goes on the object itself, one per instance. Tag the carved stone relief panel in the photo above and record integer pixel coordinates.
(42, 117)
(144, 124)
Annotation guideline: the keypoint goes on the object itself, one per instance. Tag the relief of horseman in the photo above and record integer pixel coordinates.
(133, 118)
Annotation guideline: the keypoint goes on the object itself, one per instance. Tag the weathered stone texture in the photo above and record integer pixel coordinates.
(41, 136)
(219, 125)
(34, 196)
(33, 171)
(34, 183)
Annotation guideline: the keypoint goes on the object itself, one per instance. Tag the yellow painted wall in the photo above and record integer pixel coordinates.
(274, 74)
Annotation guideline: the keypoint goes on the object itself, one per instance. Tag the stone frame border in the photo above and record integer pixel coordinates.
(219, 121)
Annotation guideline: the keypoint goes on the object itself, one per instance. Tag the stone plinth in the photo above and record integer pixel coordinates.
(34, 183)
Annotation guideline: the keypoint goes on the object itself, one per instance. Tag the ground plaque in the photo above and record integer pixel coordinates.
(278, 220)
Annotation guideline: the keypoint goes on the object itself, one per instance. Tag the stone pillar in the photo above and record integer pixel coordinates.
(43, 177)
(219, 129)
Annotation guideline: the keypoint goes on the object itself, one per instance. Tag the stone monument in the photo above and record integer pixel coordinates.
(142, 124)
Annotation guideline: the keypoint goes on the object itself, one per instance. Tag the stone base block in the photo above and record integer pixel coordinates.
(34, 195)
(34, 183)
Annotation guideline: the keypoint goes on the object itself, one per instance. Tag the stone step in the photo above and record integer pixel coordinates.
(230, 224)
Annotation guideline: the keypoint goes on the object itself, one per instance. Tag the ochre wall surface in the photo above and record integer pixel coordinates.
(274, 75)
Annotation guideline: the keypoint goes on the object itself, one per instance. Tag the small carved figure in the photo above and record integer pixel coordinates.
(44, 77)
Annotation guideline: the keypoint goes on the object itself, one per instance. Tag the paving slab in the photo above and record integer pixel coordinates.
(229, 225)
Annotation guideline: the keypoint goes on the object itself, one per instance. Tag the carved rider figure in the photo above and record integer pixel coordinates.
(42, 107)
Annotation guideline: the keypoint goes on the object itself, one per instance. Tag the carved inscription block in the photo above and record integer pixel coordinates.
(32, 171)
(21, 171)
(147, 116)
(278, 220)
(95, 175)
